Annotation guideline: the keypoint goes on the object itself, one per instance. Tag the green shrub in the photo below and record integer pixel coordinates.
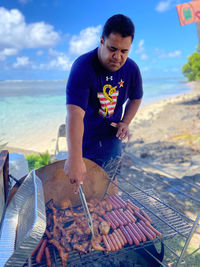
(37, 161)
(192, 68)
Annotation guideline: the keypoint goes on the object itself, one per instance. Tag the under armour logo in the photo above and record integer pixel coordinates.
(109, 78)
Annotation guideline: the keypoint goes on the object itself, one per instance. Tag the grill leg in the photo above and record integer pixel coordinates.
(188, 240)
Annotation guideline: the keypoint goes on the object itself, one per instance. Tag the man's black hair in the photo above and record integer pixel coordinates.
(119, 24)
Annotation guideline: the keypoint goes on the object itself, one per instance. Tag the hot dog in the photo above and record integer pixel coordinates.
(107, 218)
(125, 216)
(116, 218)
(123, 219)
(47, 234)
(153, 229)
(113, 198)
(131, 217)
(48, 256)
(134, 238)
(146, 216)
(139, 232)
(123, 203)
(113, 220)
(117, 240)
(126, 234)
(148, 229)
(135, 232)
(133, 206)
(41, 251)
(147, 234)
(114, 203)
(109, 202)
(107, 245)
(122, 236)
(113, 242)
(37, 247)
(119, 237)
(110, 243)
(140, 216)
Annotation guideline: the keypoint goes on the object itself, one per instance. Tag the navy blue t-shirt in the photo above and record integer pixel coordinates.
(101, 94)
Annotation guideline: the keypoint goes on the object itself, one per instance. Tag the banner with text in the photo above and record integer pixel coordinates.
(189, 12)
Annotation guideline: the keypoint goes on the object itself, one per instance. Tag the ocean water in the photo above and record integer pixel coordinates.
(31, 109)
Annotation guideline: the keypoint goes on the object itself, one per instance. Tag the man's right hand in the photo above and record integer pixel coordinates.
(76, 171)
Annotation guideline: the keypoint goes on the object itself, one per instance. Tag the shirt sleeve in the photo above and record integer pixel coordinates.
(77, 89)
(136, 91)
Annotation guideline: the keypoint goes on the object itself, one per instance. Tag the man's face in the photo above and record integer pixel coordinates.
(113, 51)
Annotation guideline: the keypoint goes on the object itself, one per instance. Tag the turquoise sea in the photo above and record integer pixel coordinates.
(30, 108)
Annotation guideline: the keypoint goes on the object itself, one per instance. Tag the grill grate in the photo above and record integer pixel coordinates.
(165, 219)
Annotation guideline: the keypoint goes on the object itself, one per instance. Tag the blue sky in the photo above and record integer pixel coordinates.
(39, 39)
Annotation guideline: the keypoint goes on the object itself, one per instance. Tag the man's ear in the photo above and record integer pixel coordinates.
(101, 41)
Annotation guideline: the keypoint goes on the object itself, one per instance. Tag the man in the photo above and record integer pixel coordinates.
(100, 82)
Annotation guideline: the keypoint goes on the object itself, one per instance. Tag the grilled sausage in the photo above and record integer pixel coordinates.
(120, 216)
(47, 234)
(116, 201)
(134, 238)
(135, 232)
(117, 240)
(154, 230)
(122, 236)
(115, 204)
(114, 242)
(131, 217)
(109, 202)
(107, 218)
(139, 232)
(140, 216)
(48, 256)
(123, 203)
(146, 216)
(125, 216)
(113, 213)
(106, 243)
(119, 237)
(37, 247)
(41, 251)
(148, 229)
(147, 234)
(110, 242)
(112, 219)
(126, 234)
(133, 206)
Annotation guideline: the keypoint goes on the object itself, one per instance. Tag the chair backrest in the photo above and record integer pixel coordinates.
(62, 131)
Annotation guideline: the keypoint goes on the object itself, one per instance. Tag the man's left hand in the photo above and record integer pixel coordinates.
(123, 130)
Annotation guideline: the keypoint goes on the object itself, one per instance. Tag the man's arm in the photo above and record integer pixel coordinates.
(130, 112)
(74, 166)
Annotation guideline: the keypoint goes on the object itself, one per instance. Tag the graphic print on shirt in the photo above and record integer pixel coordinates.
(108, 99)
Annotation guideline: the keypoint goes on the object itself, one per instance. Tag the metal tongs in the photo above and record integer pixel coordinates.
(86, 210)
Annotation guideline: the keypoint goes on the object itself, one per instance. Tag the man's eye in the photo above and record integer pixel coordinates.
(113, 49)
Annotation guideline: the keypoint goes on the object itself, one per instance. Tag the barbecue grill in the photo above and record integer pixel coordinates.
(169, 221)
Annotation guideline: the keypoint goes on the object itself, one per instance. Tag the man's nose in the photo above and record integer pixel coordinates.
(117, 55)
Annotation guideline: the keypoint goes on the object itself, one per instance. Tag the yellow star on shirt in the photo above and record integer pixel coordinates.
(121, 83)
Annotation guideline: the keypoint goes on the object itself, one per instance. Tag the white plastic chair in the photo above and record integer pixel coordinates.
(61, 154)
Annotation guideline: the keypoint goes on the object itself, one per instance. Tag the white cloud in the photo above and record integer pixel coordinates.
(141, 50)
(163, 6)
(39, 52)
(7, 52)
(22, 62)
(145, 69)
(60, 61)
(172, 54)
(86, 40)
(144, 57)
(16, 34)
(140, 47)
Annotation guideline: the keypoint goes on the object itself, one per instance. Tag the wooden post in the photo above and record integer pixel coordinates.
(198, 29)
